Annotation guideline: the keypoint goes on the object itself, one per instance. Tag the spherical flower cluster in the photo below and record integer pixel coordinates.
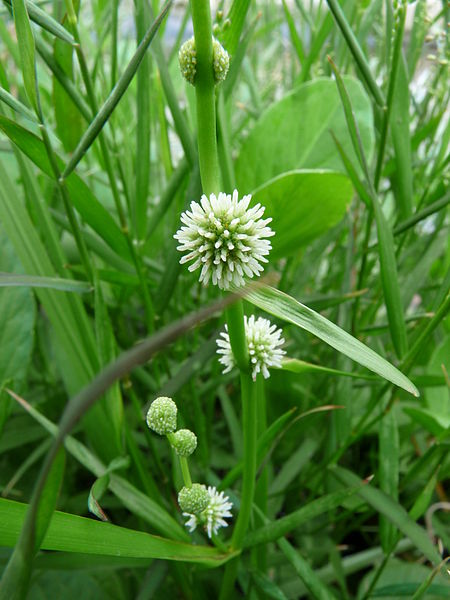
(263, 340)
(184, 442)
(193, 499)
(187, 57)
(212, 518)
(162, 415)
(226, 238)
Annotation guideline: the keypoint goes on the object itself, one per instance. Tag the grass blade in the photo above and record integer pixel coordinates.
(114, 98)
(53, 283)
(71, 533)
(393, 511)
(25, 41)
(287, 308)
(277, 529)
(36, 519)
(356, 50)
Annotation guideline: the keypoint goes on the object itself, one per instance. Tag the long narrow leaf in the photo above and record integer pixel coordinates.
(287, 308)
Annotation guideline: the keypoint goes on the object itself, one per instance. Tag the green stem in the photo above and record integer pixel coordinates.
(185, 471)
(184, 465)
(236, 331)
(249, 423)
(205, 96)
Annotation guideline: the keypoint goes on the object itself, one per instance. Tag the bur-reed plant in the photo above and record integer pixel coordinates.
(224, 299)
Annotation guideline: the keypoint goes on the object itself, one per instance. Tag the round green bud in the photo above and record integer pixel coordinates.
(187, 57)
(162, 415)
(184, 442)
(221, 61)
(194, 499)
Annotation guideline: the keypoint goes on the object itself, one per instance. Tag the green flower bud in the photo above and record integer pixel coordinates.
(184, 442)
(221, 62)
(162, 415)
(194, 499)
(187, 57)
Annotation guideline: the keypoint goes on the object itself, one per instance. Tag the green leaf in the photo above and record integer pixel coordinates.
(53, 283)
(44, 20)
(393, 511)
(17, 320)
(318, 589)
(25, 41)
(303, 205)
(277, 529)
(83, 199)
(71, 533)
(287, 308)
(69, 122)
(294, 365)
(30, 534)
(294, 133)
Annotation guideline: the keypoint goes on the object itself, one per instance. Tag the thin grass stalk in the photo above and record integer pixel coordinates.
(396, 57)
(356, 50)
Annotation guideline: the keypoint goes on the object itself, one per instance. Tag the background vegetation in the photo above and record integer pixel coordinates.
(98, 158)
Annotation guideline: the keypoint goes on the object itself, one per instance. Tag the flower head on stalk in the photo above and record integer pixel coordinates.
(226, 238)
(263, 340)
(213, 517)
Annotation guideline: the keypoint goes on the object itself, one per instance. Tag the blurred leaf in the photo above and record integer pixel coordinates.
(303, 205)
(17, 320)
(294, 133)
(53, 283)
(83, 199)
(393, 511)
(25, 41)
(69, 122)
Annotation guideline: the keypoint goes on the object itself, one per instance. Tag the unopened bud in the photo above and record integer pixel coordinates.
(194, 499)
(162, 415)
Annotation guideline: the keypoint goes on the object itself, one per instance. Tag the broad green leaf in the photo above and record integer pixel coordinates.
(294, 133)
(83, 199)
(303, 205)
(287, 308)
(25, 41)
(53, 283)
(71, 533)
(393, 511)
(17, 319)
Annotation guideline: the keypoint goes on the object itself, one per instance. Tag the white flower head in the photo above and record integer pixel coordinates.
(226, 238)
(213, 517)
(263, 340)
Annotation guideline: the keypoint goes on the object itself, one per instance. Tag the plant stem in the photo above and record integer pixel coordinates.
(185, 471)
(249, 424)
(205, 97)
